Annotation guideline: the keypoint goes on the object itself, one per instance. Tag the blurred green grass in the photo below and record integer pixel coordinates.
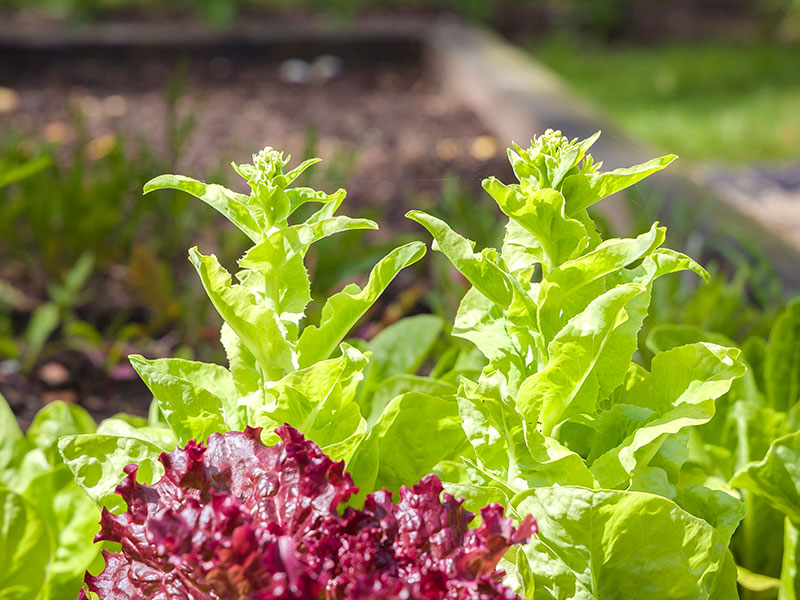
(706, 101)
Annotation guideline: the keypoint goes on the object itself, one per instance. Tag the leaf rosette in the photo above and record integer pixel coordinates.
(238, 519)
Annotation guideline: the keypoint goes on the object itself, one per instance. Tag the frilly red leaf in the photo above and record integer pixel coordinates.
(237, 520)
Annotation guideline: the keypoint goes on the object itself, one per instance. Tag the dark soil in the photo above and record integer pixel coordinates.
(376, 118)
(379, 124)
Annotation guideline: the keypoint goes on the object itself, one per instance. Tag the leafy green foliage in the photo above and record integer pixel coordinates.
(750, 447)
(630, 464)
(24, 170)
(47, 521)
(775, 481)
(27, 547)
(561, 411)
(96, 460)
(641, 538)
(777, 477)
(282, 368)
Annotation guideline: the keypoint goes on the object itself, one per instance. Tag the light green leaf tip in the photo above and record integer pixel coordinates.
(232, 205)
(480, 270)
(343, 310)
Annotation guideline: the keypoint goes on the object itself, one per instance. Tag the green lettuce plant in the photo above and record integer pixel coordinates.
(551, 414)
(563, 422)
(282, 368)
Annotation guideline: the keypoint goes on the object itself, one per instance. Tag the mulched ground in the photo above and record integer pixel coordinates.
(379, 123)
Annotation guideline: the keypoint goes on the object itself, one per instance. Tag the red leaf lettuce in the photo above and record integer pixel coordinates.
(239, 520)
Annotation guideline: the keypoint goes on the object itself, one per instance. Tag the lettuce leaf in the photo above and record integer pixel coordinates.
(26, 549)
(597, 544)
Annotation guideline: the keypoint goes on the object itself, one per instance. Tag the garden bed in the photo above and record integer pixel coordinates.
(363, 101)
(366, 105)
